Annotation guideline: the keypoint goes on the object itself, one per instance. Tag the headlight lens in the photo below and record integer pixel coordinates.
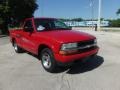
(95, 41)
(69, 46)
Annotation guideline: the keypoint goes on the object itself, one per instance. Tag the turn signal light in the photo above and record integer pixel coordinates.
(68, 52)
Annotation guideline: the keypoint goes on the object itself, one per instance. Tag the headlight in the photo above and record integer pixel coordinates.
(69, 46)
(95, 41)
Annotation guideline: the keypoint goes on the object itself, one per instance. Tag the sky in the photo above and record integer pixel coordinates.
(77, 8)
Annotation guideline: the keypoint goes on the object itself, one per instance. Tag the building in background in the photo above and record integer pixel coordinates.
(86, 23)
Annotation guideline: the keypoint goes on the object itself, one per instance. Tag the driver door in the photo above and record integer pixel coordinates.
(28, 41)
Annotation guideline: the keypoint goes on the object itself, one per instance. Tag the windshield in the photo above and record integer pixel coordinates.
(50, 24)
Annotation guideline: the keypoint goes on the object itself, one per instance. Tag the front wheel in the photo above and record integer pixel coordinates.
(17, 48)
(47, 59)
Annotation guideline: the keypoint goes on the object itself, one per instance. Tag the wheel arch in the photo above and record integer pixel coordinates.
(13, 40)
(41, 47)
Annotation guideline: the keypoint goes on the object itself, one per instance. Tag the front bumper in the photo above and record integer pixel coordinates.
(71, 58)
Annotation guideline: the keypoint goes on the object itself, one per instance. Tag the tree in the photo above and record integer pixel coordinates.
(64, 20)
(20, 9)
(118, 12)
(115, 23)
(4, 14)
(16, 11)
(77, 19)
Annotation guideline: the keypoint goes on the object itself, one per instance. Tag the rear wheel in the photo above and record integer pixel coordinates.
(17, 48)
(48, 61)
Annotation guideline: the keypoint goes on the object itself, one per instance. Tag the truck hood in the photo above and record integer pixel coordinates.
(67, 36)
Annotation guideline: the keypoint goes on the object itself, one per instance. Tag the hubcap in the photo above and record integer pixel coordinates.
(46, 60)
(15, 47)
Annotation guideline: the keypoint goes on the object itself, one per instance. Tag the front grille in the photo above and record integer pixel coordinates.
(87, 49)
(85, 43)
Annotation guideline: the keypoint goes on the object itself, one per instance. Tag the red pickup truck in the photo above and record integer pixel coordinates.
(53, 42)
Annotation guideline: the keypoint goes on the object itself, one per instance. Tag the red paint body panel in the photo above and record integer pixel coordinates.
(52, 39)
(71, 58)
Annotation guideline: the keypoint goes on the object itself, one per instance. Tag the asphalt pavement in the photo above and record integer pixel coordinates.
(24, 71)
(4, 40)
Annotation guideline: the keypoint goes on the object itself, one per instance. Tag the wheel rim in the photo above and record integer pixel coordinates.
(46, 60)
(15, 47)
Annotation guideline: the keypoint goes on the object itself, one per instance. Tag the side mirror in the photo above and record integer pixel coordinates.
(40, 28)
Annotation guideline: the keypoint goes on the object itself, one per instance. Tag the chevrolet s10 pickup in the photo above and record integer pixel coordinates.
(53, 42)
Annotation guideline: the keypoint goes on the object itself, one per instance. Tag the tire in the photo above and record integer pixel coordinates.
(17, 48)
(47, 60)
(93, 56)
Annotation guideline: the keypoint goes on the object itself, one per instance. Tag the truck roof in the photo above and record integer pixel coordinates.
(45, 18)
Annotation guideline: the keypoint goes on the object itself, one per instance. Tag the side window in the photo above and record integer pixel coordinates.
(28, 26)
(59, 24)
(42, 24)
